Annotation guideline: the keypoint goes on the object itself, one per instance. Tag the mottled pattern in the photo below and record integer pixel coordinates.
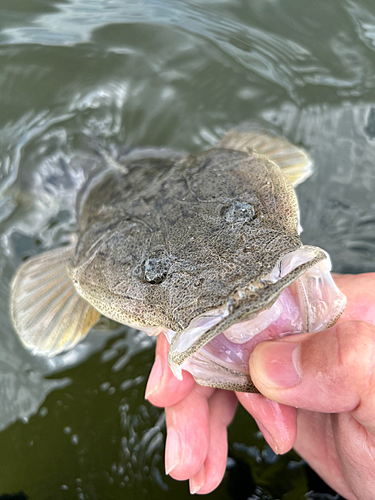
(165, 240)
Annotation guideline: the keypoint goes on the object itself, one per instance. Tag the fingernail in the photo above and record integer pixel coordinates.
(154, 380)
(173, 450)
(196, 482)
(268, 437)
(276, 364)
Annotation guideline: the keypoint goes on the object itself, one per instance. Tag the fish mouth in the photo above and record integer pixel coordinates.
(298, 295)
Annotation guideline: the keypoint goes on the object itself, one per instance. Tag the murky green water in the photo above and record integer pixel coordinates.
(164, 73)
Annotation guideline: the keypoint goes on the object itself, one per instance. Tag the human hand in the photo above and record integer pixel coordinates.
(333, 388)
(334, 435)
(197, 418)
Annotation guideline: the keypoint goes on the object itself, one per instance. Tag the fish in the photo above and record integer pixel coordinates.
(202, 248)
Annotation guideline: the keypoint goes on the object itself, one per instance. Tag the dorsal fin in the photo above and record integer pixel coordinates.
(47, 312)
(294, 162)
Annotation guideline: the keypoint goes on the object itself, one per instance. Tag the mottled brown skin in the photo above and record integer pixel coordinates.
(165, 240)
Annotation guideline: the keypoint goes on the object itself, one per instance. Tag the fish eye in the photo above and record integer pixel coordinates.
(155, 269)
(238, 211)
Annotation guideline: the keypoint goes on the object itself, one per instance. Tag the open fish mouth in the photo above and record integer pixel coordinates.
(298, 295)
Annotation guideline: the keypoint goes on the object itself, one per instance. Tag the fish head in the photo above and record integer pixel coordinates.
(218, 221)
(210, 244)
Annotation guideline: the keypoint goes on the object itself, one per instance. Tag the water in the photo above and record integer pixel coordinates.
(163, 73)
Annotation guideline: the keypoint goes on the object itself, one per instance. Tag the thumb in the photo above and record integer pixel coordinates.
(329, 371)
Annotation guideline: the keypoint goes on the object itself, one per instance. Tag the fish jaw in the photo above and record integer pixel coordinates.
(310, 303)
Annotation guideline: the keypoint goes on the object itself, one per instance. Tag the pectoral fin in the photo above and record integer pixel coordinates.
(295, 164)
(47, 312)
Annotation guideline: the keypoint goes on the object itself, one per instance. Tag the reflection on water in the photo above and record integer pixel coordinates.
(165, 73)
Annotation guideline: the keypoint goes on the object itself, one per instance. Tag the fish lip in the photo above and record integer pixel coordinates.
(270, 285)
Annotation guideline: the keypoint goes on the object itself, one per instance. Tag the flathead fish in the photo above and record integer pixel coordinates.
(204, 249)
